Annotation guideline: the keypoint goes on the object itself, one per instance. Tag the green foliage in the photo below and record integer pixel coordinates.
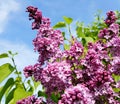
(118, 17)
(66, 46)
(55, 97)
(36, 84)
(14, 88)
(9, 83)
(20, 93)
(5, 71)
(42, 93)
(10, 96)
(116, 77)
(63, 33)
(67, 20)
(3, 55)
(59, 25)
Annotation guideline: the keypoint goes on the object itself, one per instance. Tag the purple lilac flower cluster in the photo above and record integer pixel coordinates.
(78, 77)
(48, 40)
(55, 77)
(31, 100)
(30, 70)
(73, 55)
(36, 16)
(111, 18)
(78, 94)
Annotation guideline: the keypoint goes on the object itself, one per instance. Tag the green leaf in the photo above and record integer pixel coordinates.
(83, 41)
(42, 94)
(66, 46)
(89, 39)
(10, 52)
(80, 32)
(20, 93)
(116, 89)
(54, 97)
(5, 71)
(59, 25)
(118, 21)
(63, 33)
(10, 96)
(3, 55)
(31, 89)
(9, 82)
(1, 88)
(116, 77)
(36, 84)
(68, 20)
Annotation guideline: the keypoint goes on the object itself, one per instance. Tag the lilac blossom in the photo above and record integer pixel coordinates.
(29, 70)
(105, 33)
(31, 100)
(46, 48)
(114, 46)
(55, 77)
(36, 15)
(78, 94)
(114, 28)
(110, 32)
(75, 52)
(108, 93)
(115, 65)
(111, 18)
(48, 40)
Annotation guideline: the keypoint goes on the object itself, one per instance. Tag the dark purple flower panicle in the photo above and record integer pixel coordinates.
(78, 94)
(31, 100)
(105, 33)
(30, 70)
(109, 33)
(114, 46)
(55, 77)
(73, 55)
(36, 15)
(111, 18)
(92, 61)
(115, 65)
(48, 40)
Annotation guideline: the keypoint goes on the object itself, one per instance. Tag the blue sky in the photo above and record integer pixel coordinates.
(15, 28)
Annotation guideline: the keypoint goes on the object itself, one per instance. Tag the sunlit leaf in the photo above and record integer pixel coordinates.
(68, 20)
(3, 55)
(9, 82)
(9, 96)
(66, 46)
(20, 93)
(80, 32)
(59, 25)
(42, 94)
(54, 97)
(116, 89)
(63, 33)
(5, 71)
(89, 39)
(116, 77)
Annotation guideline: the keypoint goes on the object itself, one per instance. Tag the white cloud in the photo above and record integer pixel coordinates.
(25, 55)
(6, 8)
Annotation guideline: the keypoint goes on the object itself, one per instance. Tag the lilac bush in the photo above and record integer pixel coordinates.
(80, 74)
